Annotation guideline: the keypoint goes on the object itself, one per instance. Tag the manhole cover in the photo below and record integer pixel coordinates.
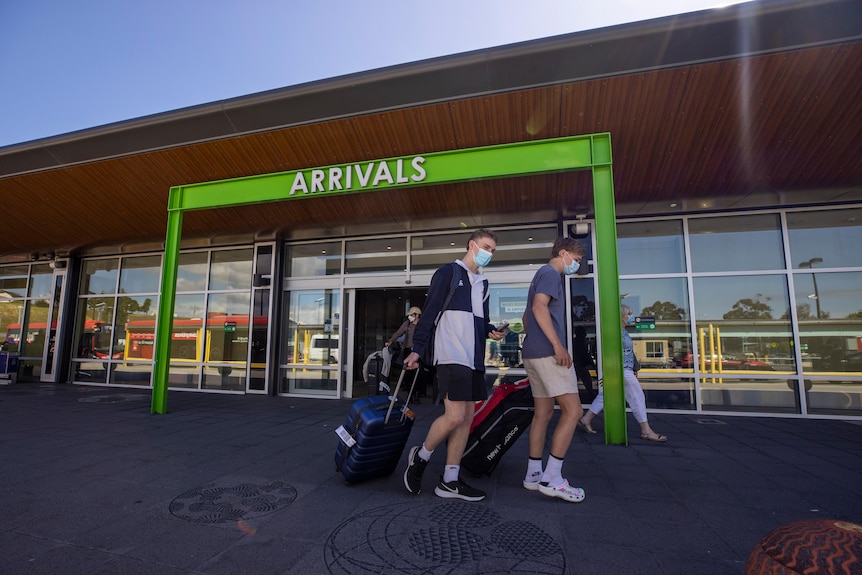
(232, 499)
(441, 538)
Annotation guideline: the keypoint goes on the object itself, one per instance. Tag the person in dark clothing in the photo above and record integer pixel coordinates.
(583, 363)
(459, 356)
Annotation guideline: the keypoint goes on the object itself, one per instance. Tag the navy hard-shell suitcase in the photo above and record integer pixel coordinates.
(497, 423)
(373, 436)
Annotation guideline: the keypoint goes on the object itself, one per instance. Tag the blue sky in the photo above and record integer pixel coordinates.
(77, 64)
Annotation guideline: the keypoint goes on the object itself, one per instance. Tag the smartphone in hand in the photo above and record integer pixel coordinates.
(504, 327)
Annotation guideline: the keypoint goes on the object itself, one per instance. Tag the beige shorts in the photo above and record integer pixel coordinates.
(547, 379)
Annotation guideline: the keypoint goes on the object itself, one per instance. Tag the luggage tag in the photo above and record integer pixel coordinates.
(345, 436)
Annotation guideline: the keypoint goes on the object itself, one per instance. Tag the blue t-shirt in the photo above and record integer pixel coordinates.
(547, 281)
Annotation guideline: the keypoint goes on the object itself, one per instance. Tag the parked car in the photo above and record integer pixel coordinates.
(847, 361)
(323, 348)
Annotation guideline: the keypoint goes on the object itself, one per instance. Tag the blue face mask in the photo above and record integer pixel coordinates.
(630, 320)
(571, 268)
(482, 257)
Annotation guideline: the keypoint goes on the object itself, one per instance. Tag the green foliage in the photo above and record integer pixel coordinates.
(664, 310)
(748, 308)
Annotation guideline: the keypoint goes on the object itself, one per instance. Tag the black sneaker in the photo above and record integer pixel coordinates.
(458, 490)
(415, 469)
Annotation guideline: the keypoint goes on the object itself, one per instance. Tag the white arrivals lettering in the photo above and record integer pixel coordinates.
(382, 174)
(364, 177)
(298, 184)
(337, 178)
(399, 173)
(420, 171)
(317, 177)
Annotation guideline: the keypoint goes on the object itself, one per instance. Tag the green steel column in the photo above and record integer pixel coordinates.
(607, 276)
(167, 297)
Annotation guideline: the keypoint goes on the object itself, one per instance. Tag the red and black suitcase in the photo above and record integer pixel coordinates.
(497, 423)
(373, 436)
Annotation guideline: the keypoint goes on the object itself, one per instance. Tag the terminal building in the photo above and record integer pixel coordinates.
(733, 142)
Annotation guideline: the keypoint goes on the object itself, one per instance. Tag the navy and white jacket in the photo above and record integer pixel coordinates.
(463, 326)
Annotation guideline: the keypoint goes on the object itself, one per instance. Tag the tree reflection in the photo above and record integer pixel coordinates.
(664, 310)
(748, 308)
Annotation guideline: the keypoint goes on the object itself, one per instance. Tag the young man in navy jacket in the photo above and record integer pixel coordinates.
(459, 356)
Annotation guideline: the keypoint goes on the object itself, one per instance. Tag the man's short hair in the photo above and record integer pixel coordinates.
(571, 245)
(481, 233)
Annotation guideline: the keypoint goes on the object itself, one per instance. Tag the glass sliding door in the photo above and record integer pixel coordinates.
(311, 352)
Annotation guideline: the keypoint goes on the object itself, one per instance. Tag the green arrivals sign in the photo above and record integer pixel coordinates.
(644, 323)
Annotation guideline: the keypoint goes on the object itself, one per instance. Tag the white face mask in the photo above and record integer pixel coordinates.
(411, 318)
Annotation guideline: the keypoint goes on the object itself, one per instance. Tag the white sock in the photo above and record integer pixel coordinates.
(424, 453)
(534, 470)
(553, 475)
(451, 473)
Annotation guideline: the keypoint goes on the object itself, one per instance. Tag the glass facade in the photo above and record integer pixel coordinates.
(768, 319)
(754, 312)
(25, 303)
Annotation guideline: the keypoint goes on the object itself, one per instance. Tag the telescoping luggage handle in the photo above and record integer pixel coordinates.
(394, 397)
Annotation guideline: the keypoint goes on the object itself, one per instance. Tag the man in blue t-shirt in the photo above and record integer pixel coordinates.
(549, 368)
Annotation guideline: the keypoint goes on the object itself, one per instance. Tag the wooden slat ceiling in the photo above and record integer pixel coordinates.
(734, 133)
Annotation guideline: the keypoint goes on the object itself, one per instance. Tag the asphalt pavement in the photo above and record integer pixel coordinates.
(92, 483)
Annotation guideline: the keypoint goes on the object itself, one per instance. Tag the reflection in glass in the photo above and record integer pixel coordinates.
(140, 274)
(227, 328)
(668, 338)
(93, 326)
(89, 372)
(834, 236)
(525, 246)
(13, 281)
(225, 377)
(431, 252)
(259, 339)
(187, 327)
(736, 243)
(376, 255)
(317, 259)
(834, 397)
(308, 381)
(99, 276)
(667, 392)
(653, 247)
(829, 312)
(311, 338)
(133, 327)
(741, 394)
(742, 324)
(231, 269)
(131, 373)
(33, 335)
(41, 281)
(506, 303)
(192, 271)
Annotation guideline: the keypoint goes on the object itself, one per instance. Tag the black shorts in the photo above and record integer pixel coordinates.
(461, 383)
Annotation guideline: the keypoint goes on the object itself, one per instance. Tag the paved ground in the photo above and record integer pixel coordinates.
(92, 483)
